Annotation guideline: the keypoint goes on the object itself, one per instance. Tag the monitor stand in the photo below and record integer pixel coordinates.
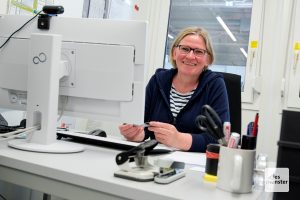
(45, 69)
(56, 147)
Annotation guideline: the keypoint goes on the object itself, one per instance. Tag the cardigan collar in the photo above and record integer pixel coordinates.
(164, 79)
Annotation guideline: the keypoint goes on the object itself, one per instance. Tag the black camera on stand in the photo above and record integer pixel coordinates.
(48, 12)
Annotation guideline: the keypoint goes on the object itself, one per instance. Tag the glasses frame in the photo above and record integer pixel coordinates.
(191, 49)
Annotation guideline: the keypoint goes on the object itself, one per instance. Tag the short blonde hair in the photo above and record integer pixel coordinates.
(193, 31)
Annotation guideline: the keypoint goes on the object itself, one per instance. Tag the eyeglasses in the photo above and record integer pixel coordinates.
(186, 49)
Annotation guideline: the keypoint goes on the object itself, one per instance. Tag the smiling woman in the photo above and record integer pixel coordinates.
(175, 97)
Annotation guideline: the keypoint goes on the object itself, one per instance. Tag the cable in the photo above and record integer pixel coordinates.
(2, 197)
(19, 29)
(19, 136)
(64, 103)
(6, 128)
(18, 133)
(15, 132)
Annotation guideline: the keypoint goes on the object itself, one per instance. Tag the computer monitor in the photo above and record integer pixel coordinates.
(96, 66)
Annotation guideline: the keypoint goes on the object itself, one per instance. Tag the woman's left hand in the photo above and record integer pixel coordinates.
(165, 133)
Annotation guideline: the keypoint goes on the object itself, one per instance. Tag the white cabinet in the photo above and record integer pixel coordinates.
(293, 61)
(253, 73)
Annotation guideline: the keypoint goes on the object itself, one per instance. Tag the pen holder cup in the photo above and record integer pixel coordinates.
(235, 170)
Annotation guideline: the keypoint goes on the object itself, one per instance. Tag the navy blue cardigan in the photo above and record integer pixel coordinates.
(211, 90)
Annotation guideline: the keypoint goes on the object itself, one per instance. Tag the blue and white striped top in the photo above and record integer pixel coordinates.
(179, 100)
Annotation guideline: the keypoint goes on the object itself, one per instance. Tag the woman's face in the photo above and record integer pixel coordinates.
(189, 63)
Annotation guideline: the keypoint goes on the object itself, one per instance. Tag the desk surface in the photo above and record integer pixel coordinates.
(89, 175)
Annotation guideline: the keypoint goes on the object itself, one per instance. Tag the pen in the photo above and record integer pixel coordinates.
(146, 124)
(254, 131)
(250, 128)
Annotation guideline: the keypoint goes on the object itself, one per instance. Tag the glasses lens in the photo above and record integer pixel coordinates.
(184, 49)
(199, 52)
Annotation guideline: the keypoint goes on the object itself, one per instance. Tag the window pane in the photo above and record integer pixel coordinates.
(236, 14)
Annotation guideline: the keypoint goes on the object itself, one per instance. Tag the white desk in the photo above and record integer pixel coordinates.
(89, 175)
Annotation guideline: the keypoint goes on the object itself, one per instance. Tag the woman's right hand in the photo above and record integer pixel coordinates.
(132, 133)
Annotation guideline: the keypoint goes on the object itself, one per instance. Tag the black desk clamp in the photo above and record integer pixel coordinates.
(134, 165)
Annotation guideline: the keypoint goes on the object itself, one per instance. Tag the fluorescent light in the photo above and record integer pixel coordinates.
(220, 20)
(170, 36)
(244, 52)
(128, 2)
(229, 3)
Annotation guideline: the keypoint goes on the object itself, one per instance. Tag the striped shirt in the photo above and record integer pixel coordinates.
(178, 100)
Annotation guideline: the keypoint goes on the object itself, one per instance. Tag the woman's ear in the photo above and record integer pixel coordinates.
(174, 54)
(208, 60)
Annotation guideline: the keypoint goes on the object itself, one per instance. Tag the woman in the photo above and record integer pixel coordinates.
(174, 97)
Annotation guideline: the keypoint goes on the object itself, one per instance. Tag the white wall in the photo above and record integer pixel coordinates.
(72, 8)
(3, 6)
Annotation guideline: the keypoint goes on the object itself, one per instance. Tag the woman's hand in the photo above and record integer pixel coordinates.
(168, 134)
(132, 133)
